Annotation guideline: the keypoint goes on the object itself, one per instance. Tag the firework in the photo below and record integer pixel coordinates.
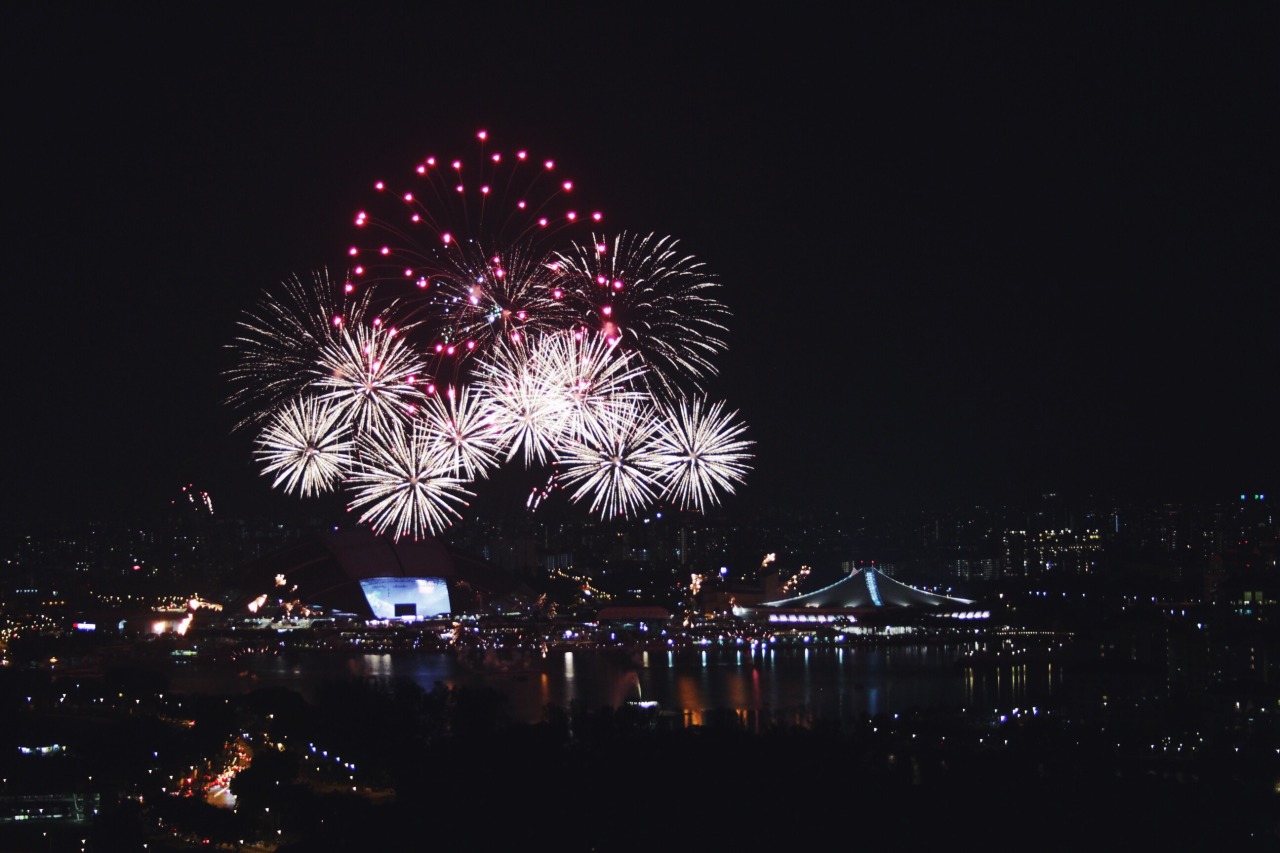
(615, 463)
(401, 485)
(653, 301)
(307, 446)
(463, 337)
(465, 430)
(701, 452)
(373, 375)
(588, 375)
(488, 298)
(463, 242)
(528, 417)
(278, 344)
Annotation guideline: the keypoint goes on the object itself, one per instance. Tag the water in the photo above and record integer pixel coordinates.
(761, 687)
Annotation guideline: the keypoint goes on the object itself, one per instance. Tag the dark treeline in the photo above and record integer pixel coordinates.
(449, 766)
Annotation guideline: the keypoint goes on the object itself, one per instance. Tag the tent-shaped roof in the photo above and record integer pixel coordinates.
(868, 589)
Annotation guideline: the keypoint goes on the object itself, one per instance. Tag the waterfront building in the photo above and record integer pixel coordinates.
(357, 574)
(865, 596)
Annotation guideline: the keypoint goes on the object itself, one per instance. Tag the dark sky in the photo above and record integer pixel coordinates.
(972, 253)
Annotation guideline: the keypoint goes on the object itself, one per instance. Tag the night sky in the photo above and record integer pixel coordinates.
(973, 254)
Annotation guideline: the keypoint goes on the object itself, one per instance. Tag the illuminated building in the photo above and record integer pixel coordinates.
(866, 596)
(358, 574)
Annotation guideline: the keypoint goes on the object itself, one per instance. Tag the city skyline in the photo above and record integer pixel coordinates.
(969, 257)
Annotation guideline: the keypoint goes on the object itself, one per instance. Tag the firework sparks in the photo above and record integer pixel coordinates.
(307, 446)
(650, 299)
(615, 463)
(373, 376)
(588, 375)
(701, 452)
(488, 298)
(529, 419)
(278, 345)
(462, 242)
(792, 584)
(464, 426)
(400, 484)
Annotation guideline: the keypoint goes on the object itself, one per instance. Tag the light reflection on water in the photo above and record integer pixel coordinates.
(759, 686)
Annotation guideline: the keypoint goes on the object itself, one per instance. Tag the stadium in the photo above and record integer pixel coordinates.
(356, 574)
(867, 596)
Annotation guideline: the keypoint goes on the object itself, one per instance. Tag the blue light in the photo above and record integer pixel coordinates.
(871, 587)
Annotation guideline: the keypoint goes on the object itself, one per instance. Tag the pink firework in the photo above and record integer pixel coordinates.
(466, 244)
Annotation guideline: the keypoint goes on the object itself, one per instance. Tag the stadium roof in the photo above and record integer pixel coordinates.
(868, 589)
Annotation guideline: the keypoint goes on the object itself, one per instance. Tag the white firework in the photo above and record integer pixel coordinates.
(655, 301)
(465, 430)
(400, 484)
(278, 343)
(615, 462)
(701, 452)
(592, 378)
(373, 375)
(529, 418)
(307, 446)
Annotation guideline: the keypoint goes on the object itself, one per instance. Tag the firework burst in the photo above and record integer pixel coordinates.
(498, 297)
(373, 375)
(701, 452)
(278, 344)
(588, 375)
(400, 483)
(651, 300)
(529, 418)
(307, 446)
(462, 242)
(464, 426)
(615, 463)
